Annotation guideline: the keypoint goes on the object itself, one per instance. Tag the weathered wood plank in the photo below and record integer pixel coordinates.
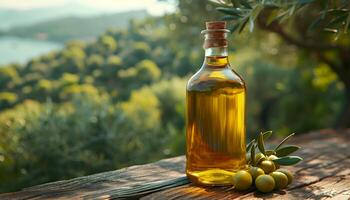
(324, 173)
(327, 163)
(104, 184)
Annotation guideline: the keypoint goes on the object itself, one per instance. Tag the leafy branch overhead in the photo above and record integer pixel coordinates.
(330, 16)
(318, 28)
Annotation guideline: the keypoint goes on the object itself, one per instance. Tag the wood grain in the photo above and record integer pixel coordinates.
(325, 173)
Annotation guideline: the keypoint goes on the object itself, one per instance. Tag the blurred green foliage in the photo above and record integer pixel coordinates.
(120, 100)
(317, 28)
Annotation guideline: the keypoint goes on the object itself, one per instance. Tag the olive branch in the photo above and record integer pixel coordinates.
(281, 151)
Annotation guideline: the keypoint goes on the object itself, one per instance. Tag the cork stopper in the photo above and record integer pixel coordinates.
(215, 34)
(215, 25)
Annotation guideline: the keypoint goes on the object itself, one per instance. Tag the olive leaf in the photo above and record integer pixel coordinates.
(217, 4)
(267, 134)
(315, 23)
(288, 160)
(252, 154)
(261, 144)
(235, 3)
(302, 2)
(242, 24)
(251, 24)
(347, 24)
(234, 27)
(270, 152)
(245, 4)
(283, 141)
(230, 11)
(325, 7)
(253, 15)
(285, 151)
(249, 145)
(247, 156)
(229, 17)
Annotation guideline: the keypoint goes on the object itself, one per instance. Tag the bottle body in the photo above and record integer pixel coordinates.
(215, 123)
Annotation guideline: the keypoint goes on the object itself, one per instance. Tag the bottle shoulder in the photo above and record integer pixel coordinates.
(209, 79)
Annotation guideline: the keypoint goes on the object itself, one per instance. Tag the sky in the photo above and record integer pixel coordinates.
(154, 7)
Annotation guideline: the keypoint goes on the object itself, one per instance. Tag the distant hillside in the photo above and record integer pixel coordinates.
(68, 28)
(15, 18)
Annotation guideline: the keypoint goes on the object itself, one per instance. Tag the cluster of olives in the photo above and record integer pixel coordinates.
(263, 168)
(266, 176)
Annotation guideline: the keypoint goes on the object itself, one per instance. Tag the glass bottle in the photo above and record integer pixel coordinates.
(215, 114)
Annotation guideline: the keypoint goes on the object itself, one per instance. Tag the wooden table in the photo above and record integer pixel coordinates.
(324, 173)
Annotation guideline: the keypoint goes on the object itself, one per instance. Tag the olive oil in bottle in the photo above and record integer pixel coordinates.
(215, 114)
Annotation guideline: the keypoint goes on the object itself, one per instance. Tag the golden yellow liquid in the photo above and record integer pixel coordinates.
(215, 131)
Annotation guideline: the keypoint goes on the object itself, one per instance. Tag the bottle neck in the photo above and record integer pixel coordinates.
(216, 51)
(216, 57)
(215, 45)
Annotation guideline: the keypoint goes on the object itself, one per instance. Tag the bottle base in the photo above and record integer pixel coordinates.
(211, 177)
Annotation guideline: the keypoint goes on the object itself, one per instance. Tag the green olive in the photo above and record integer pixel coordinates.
(288, 174)
(267, 165)
(259, 157)
(242, 180)
(273, 157)
(281, 180)
(265, 183)
(255, 172)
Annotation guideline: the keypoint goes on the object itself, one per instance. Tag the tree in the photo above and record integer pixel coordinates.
(171, 95)
(73, 57)
(7, 99)
(43, 89)
(114, 61)
(142, 109)
(108, 43)
(8, 75)
(94, 61)
(191, 16)
(147, 71)
(317, 28)
(136, 52)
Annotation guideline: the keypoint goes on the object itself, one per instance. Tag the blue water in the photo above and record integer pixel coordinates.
(20, 50)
